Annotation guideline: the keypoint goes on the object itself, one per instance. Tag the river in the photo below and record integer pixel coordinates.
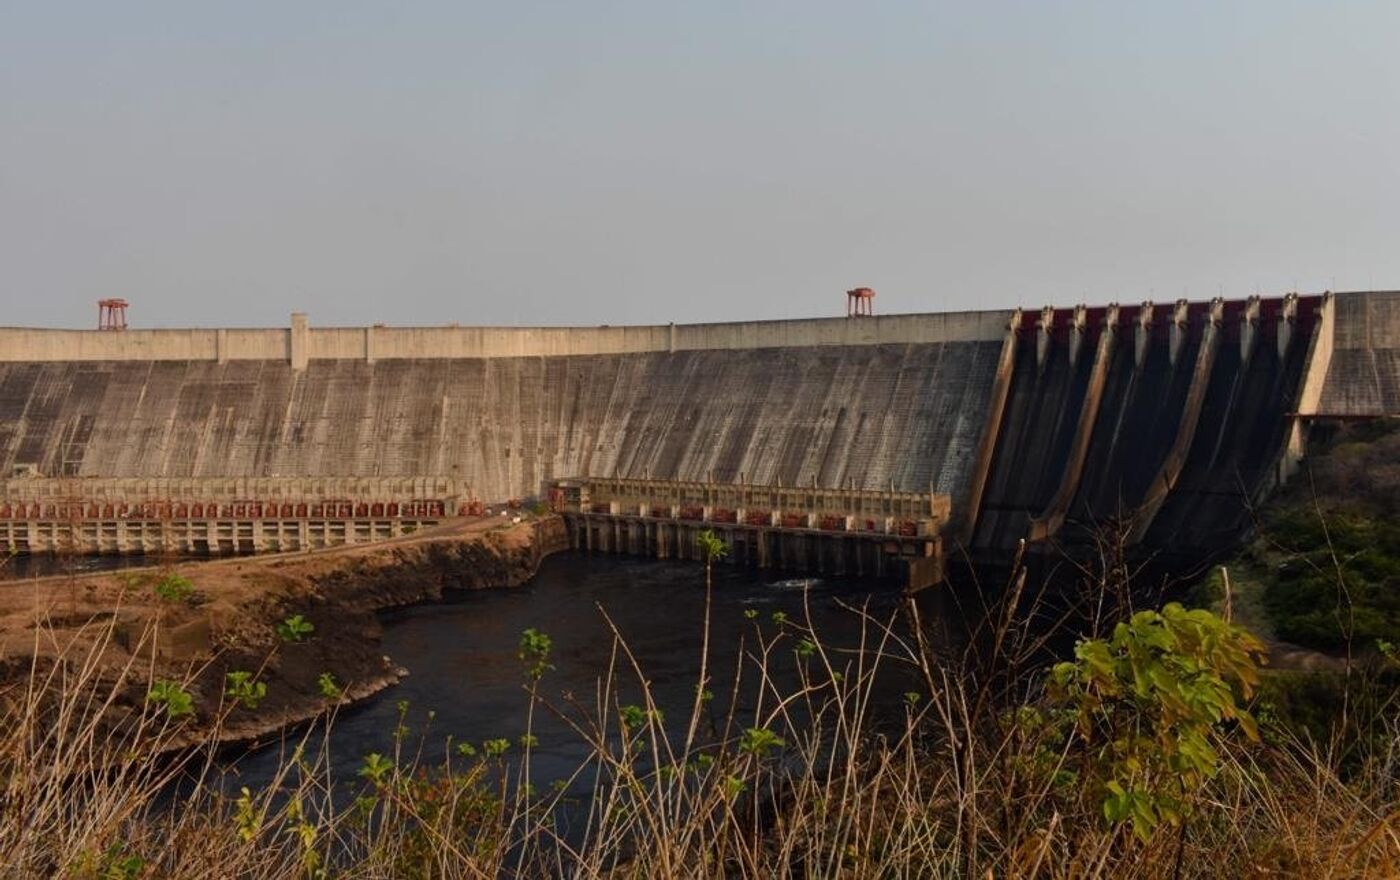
(461, 654)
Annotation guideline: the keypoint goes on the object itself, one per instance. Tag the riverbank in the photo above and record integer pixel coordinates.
(193, 624)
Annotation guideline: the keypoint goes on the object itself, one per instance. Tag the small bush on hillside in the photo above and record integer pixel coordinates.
(1146, 709)
(174, 588)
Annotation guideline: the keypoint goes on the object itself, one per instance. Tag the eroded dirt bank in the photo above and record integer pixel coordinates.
(117, 624)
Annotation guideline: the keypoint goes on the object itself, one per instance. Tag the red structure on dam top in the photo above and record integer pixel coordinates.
(860, 302)
(111, 314)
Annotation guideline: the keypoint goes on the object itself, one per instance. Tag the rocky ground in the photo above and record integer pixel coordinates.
(118, 624)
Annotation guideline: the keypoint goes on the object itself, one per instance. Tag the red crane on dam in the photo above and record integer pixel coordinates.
(860, 302)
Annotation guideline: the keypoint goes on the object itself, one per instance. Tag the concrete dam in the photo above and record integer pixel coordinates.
(1170, 419)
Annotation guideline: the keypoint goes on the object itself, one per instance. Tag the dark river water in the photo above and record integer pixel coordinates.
(461, 654)
(43, 565)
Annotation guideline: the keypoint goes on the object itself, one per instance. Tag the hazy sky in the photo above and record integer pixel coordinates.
(596, 162)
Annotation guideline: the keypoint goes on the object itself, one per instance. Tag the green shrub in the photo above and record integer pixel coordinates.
(175, 700)
(534, 652)
(329, 687)
(174, 588)
(1146, 706)
(240, 687)
(295, 628)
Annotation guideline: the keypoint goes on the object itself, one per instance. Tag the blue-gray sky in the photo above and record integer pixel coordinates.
(599, 162)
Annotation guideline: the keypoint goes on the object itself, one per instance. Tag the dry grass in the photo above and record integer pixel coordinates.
(815, 778)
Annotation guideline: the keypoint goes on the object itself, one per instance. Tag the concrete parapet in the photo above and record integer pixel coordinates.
(302, 343)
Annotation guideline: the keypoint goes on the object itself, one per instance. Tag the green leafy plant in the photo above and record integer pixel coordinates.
(295, 628)
(712, 546)
(247, 818)
(534, 653)
(634, 717)
(329, 687)
(494, 748)
(118, 862)
(174, 588)
(1147, 706)
(305, 833)
(175, 700)
(759, 741)
(733, 786)
(375, 768)
(240, 687)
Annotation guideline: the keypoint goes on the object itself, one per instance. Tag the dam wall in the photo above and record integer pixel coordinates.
(894, 400)
(1169, 419)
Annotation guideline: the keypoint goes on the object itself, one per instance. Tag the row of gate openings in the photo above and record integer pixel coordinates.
(337, 509)
(904, 528)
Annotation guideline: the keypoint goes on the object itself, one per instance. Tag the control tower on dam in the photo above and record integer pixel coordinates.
(1168, 417)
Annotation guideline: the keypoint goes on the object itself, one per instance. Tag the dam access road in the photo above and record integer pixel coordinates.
(1171, 419)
